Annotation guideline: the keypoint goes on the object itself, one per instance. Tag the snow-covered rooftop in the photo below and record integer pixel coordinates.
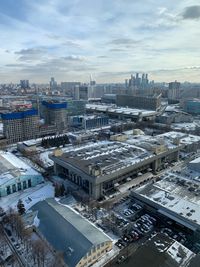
(121, 110)
(109, 156)
(184, 138)
(13, 167)
(177, 195)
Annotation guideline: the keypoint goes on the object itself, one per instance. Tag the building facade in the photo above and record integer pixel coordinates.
(140, 102)
(174, 90)
(89, 122)
(16, 175)
(54, 113)
(20, 125)
(192, 106)
(99, 167)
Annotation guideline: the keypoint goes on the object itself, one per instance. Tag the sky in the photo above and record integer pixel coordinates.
(108, 39)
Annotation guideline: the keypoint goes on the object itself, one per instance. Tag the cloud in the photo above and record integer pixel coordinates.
(30, 54)
(75, 58)
(191, 12)
(86, 36)
(124, 41)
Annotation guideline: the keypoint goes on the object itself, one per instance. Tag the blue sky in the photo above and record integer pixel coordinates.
(109, 39)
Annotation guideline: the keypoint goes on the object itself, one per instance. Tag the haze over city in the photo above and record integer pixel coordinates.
(108, 39)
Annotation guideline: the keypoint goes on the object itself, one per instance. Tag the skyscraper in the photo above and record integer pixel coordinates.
(24, 84)
(53, 84)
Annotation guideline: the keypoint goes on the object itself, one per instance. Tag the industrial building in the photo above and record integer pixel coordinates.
(54, 113)
(89, 122)
(20, 125)
(141, 102)
(98, 167)
(121, 113)
(82, 242)
(169, 117)
(176, 196)
(16, 175)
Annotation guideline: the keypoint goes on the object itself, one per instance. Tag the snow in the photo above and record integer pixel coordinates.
(36, 221)
(46, 161)
(184, 138)
(184, 126)
(184, 206)
(29, 196)
(120, 110)
(11, 161)
(13, 167)
(180, 254)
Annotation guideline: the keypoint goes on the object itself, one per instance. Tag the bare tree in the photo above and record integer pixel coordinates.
(58, 260)
(39, 252)
(3, 243)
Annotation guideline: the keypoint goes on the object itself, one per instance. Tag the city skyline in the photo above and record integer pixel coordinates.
(108, 39)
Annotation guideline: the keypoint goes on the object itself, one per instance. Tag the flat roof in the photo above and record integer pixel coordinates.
(181, 198)
(184, 138)
(121, 110)
(108, 155)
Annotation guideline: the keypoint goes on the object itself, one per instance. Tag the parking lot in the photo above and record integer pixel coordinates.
(143, 224)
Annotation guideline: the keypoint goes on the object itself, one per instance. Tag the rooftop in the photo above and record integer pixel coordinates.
(109, 156)
(66, 229)
(184, 138)
(13, 167)
(120, 110)
(177, 194)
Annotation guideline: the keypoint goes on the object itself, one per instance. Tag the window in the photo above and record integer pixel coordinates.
(24, 185)
(8, 190)
(14, 188)
(19, 186)
(29, 183)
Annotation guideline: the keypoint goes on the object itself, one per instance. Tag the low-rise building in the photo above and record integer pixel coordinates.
(82, 243)
(89, 122)
(97, 167)
(176, 196)
(16, 175)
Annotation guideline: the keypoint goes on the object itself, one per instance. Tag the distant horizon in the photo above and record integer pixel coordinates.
(71, 40)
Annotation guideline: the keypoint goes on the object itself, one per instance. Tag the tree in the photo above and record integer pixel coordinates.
(62, 190)
(57, 190)
(39, 252)
(58, 260)
(20, 207)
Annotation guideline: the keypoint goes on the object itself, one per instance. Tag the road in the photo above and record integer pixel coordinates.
(13, 249)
